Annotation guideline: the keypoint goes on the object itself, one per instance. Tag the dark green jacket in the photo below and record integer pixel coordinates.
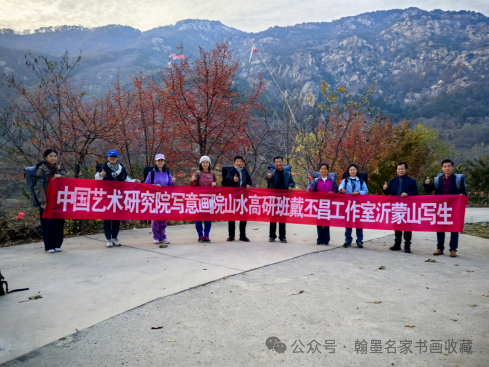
(288, 180)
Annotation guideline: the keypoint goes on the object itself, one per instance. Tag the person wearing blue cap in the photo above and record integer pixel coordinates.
(112, 170)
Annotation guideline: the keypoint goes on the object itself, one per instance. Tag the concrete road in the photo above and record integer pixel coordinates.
(88, 283)
(336, 300)
(474, 214)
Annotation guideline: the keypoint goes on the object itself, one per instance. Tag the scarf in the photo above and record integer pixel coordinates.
(52, 167)
(116, 170)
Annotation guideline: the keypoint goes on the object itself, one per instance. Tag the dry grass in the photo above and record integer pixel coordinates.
(477, 229)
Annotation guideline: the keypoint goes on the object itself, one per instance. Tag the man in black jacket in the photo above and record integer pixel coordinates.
(446, 185)
(238, 176)
(279, 179)
(402, 186)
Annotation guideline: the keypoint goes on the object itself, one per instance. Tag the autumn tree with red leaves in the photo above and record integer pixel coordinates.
(340, 130)
(210, 107)
(56, 115)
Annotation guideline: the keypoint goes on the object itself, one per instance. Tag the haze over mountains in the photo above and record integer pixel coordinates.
(433, 66)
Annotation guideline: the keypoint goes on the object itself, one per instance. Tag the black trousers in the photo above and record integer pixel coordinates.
(407, 237)
(281, 230)
(111, 228)
(232, 229)
(52, 232)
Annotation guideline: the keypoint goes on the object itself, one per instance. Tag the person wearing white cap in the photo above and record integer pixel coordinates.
(160, 176)
(204, 177)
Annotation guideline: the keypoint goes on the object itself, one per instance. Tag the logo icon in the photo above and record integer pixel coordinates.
(274, 343)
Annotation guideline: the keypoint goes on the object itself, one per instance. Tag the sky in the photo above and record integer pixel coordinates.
(249, 15)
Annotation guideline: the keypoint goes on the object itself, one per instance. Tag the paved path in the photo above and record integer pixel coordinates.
(307, 300)
(87, 283)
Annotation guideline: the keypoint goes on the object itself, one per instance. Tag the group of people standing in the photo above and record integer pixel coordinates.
(402, 185)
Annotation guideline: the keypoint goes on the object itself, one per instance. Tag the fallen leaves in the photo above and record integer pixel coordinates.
(431, 261)
(485, 295)
(171, 341)
(472, 305)
(454, 320)
(381, 267)
(163, 246)
(411, 326)
(376, 302)
(295, 294)
(470, 271)
(156, 327)
(31, 298)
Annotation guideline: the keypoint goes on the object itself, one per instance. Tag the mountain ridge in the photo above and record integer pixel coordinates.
(433, 65)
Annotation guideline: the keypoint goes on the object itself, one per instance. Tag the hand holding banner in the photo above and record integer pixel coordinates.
(90, 199)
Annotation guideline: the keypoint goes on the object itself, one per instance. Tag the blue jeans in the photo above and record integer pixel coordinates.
(323, 234)
(207, 229)
(440, 236)
(349, 238)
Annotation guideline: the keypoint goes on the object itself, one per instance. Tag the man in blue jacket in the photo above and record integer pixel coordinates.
(448, 184)
(279, 179)
(402, 186)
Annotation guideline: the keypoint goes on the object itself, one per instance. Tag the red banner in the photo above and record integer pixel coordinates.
(90, 199)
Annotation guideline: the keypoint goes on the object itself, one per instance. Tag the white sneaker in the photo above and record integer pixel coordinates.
(165, 241)
(156, 242)
(116, 242)
(57, 249)
(51, 251)
(109, 243)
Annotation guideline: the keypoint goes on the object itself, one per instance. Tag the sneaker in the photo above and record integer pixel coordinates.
(207, 239)
(116, 242)
(283, 240)
(165, 241)
(320, 243)
(201, 239)
(57, 249)
(156, 242)
(271, 239)
(359, 245)
(230, 239)
(244, 239)
(346, 244)
(109, 243)
(52, 251)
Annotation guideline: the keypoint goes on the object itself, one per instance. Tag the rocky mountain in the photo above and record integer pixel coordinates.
(433, 66)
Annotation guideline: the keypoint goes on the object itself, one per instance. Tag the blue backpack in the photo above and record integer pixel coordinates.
(31, 179)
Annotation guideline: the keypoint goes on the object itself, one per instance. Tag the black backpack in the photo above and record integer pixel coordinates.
(363, 177)
(225, 171)
(147, 171)
(151, 171)
(4, 287)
